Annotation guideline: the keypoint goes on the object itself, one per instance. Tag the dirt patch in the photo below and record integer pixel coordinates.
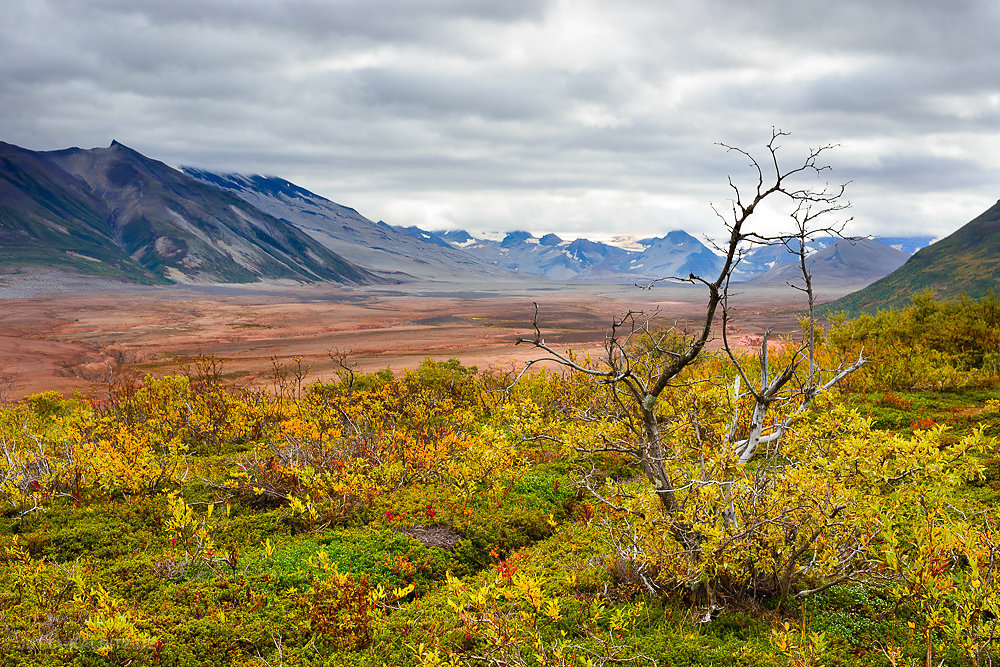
(968, 411)
(440, 537)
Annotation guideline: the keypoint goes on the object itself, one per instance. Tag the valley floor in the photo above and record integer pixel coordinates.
(61, 332)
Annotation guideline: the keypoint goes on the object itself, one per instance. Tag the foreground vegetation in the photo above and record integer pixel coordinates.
(449, 516)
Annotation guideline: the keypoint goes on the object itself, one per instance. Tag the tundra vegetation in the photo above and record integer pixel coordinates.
(828, 498)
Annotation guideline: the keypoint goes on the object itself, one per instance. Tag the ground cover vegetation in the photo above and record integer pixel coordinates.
(828, 498)
(449, 516)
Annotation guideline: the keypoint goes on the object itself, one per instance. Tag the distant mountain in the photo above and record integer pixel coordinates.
(843, 262)
(521, 252)
(114, 212)
(908, 244)
(967, 262)
(762, 258)
(401, 253)
(676, 254)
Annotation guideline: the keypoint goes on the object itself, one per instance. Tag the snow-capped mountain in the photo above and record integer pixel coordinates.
(676, 254)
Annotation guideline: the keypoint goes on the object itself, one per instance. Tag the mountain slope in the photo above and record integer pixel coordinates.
(113, 211)
(966, 262)
(378, 247)
(49, 218)
(844, 262)
(761, 258)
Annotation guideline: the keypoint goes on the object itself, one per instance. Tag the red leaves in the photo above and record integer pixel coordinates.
(506, 568)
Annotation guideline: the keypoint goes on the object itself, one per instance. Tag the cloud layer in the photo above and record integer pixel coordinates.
(579, 117)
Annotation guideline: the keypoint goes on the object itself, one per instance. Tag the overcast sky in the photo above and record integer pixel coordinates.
(579, 117)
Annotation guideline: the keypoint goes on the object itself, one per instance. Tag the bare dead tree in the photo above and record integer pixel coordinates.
(640, 363)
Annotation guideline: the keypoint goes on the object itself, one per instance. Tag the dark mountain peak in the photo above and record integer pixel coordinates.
(587, 243)
(514, 238)
(90, 163)
(121, 150)
(672, 239)
(517, 238)
(459, 236)
(550, 240)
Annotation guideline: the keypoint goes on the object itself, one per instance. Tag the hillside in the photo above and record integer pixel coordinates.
(376, 246)
(966, 262)
(47, 218)
(117, 213)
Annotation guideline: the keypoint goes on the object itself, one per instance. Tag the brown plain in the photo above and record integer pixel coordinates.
(70, 341)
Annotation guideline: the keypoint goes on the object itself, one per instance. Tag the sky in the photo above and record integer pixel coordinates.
(578, 117)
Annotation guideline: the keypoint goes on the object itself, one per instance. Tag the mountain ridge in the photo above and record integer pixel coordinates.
(141, 220)
(389, 251)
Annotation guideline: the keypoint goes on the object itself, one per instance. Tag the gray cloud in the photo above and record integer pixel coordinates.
(573, 116)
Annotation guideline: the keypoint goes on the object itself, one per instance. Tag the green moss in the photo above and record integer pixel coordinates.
(99, 530)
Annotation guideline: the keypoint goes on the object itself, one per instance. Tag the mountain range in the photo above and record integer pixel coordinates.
(830, 259)
(114, 212)
(676, 254)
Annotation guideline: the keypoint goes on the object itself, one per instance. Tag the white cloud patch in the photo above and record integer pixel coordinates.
(578, 117)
